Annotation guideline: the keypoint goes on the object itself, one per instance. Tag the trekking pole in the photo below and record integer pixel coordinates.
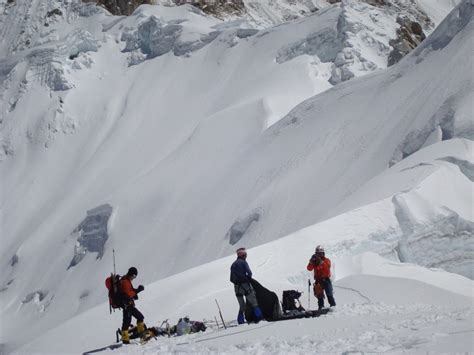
(113, 253)
(220, 313)
(110, 310)
(309, 296)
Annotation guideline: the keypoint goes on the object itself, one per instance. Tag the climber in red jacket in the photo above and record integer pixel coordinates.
(322, 277)
(129, 295)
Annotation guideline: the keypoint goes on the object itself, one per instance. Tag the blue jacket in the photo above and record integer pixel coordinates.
(240, 272)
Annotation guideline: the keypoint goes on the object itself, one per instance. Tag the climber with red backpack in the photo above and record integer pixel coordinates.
(122, 294)
(129, 295)
(321, 265)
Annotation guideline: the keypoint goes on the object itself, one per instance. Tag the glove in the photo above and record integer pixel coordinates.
(140, 288)
(316, 260)
(135, 297)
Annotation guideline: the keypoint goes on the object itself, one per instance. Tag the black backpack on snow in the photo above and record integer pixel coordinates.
(289, 300)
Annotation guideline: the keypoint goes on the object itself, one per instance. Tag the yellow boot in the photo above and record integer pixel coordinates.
(125, 337)
(140, 328)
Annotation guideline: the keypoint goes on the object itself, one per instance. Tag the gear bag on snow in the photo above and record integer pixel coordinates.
(115, 296)
(290, 300)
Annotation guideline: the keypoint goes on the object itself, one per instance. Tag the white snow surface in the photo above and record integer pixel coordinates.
(377, 311)
(195, 131)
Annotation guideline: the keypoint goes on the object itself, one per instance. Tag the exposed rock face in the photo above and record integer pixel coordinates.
(409, 36)
(376, 2)
(216, 7)
(241, 227)
(92, 233)
(54, 12)
(121, 7)
(370, 2)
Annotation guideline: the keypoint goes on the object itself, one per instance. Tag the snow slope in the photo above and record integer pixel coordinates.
(375, 312)
(376, 316)
(186, 143)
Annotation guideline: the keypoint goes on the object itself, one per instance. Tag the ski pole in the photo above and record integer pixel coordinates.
(216, 322)
(110, 306)
(220, 313)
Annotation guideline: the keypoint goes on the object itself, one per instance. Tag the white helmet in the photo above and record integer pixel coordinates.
(319, 249)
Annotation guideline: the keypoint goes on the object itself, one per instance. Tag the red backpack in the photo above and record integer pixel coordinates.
(115, 296)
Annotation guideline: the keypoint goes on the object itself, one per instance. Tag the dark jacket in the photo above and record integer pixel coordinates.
(240, 272)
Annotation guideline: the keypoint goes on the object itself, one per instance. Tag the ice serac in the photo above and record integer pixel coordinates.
(445, 242)
(353, 46)
(424, 208)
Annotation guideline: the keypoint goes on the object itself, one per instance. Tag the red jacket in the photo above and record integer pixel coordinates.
(321, 271)
(126, 288)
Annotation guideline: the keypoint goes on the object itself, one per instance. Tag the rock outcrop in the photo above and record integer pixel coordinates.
(213, 7)
(121, 7)
(216, 7)
(409, 36)
(92, 233)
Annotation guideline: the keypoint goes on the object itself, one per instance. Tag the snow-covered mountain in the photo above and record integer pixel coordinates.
(174, 137)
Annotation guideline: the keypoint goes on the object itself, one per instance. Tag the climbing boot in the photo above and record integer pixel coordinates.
(258, 313)
(125, 337)
(241, 318)
(140, 329)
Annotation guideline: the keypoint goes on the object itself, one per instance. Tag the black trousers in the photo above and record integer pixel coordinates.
(327, 285)
(128, 313)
